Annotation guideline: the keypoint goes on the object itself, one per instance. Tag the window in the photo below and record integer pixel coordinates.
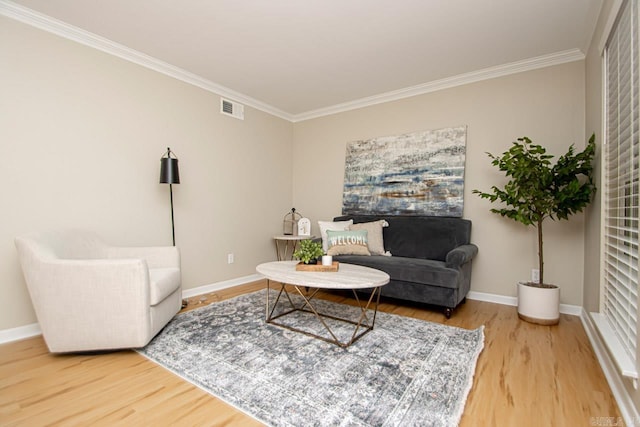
(620, 186)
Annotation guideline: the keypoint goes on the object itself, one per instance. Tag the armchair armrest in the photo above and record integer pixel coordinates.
(94, 302)
(460, 255)
(155, 256)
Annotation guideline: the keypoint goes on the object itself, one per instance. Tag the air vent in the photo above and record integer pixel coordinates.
(232, 109)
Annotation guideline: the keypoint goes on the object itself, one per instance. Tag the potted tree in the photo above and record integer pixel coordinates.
(537, 190)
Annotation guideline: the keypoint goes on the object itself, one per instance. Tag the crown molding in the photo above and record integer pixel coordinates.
(62, 29)
(608, 25)
(459, 80)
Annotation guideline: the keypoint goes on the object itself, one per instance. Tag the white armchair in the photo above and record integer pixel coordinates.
(91, 296)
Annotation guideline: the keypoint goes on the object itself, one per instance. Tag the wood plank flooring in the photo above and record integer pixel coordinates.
(527, 375)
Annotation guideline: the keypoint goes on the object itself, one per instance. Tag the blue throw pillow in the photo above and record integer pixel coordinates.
(352, 242)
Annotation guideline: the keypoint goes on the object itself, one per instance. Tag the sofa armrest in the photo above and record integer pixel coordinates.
(460, 255)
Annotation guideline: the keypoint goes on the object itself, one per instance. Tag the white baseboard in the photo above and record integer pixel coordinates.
(20, 333)
(612, 374)
(28, 331)
(188, 293)
(494, 298)
(574, 310)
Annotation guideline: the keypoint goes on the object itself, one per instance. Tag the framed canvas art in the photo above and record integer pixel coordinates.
(420, 173)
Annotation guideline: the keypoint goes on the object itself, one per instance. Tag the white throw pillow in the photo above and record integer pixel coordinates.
(374, 230)
(332, 225)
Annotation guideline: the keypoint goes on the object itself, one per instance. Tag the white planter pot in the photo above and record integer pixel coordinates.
(539, 305)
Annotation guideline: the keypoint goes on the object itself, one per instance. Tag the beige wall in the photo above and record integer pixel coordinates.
(547, 105)
(81, 135)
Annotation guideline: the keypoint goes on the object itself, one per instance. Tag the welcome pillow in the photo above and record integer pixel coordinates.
(347, 242)
(331, 225)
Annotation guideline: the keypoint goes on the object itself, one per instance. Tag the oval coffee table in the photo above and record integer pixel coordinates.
(348, 277)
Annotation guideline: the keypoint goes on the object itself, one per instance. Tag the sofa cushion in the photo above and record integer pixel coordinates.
(164, 281)
(423, 271)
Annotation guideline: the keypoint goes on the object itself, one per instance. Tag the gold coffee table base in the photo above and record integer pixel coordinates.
(361, 326)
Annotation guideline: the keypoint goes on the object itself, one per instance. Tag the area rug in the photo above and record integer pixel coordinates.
(405, 372)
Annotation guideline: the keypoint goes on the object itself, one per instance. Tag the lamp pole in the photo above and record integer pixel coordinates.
(173, 228)
(169, 174)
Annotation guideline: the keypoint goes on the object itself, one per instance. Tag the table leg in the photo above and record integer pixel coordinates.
(363, 321)
(285, 249)
(270, 310)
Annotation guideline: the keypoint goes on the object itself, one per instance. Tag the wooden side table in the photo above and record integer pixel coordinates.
(286, 245)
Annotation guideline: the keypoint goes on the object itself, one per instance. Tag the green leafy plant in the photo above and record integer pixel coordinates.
(537, 189)
(308, 251)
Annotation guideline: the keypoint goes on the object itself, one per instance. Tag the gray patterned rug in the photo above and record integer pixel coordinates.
(406, 372)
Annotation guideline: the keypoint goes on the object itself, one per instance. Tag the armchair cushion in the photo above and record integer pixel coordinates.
(164, 281)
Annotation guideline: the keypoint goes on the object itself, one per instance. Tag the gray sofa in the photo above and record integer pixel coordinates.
(430, 262)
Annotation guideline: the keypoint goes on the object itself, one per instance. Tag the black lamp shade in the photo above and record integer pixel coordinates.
(169, 171)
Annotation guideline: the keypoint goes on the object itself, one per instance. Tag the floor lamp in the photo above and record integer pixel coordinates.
(169, 175)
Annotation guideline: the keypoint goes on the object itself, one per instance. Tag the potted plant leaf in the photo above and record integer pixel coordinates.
(309, 251)
(537, 190)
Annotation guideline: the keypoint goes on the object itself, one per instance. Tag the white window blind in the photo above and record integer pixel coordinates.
(621, 181)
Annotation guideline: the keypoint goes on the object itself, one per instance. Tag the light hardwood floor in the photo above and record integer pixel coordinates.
(527, 375)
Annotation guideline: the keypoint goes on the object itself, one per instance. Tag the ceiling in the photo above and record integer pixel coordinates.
(298, 57)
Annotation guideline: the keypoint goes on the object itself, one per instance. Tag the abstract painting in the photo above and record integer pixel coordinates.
(420, 173)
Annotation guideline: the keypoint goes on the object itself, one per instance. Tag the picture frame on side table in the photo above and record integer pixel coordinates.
(304, 227)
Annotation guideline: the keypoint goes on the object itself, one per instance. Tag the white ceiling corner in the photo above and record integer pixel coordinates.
(300, 60)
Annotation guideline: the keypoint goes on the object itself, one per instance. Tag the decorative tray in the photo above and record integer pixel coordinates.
(317, 267)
